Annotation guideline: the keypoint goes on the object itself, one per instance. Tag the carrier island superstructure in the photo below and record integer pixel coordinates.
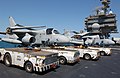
(103, 22)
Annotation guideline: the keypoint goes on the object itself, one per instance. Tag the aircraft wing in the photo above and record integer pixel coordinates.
(21, 32)
(26, 27)
(18, 32)
(15, 41)
(4, 33)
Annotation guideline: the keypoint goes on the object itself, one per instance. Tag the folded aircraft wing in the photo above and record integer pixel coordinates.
(11, 40)
(26, 27)
(2, 32)
(23, 32)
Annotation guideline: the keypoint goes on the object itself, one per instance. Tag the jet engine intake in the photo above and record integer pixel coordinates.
(28, 39)
(8, 30)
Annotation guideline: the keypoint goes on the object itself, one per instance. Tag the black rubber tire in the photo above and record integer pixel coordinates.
(29, 67)
(87, 57)
(7, 60)
(62, 60)
(102, 53)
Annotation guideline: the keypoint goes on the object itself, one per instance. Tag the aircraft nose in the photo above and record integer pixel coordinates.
(64, 39)
(112, 42)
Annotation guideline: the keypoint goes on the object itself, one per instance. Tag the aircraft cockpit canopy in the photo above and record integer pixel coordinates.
(51, 31)
(56, 32)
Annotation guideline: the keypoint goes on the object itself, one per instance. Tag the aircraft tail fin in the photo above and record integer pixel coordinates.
(12, 22)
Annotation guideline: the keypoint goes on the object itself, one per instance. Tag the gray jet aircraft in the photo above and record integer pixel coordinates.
(28, 35)
(93, 39)
(87, 38)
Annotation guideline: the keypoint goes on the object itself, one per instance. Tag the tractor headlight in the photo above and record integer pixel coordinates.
(39, 61)
(77, 54)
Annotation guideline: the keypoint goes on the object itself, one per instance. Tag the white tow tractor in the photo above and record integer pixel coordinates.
(86, 54)
(103, 50)
(31, 60)
(64, 56)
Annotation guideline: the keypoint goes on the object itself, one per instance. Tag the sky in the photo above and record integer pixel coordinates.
(60, 14)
